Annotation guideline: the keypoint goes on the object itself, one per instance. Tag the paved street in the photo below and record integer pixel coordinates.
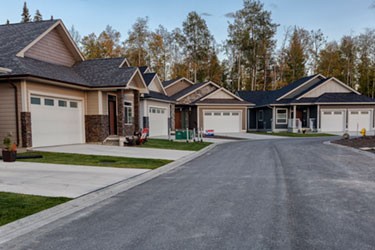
(274, 194)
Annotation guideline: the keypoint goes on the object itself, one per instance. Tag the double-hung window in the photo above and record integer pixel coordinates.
(281, 116)
(128, 109)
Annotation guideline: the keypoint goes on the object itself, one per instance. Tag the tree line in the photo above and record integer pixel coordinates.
(251, 58)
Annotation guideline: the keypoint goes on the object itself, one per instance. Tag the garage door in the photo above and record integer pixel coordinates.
(158, 121)
(55, 121)
(333, 120)
(222, 121)
(359, 119)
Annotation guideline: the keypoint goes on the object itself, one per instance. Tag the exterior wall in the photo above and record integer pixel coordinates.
(221, 95)
(217, 107)
(329, 87)
(197, 94)
(303, 88)
(172, 118)
(177, 87)
(96, 128)
(155, 85)
(252, 119)
(51, 49)
(266, 124)
(92, 103)
(26, 129)
(7, 112)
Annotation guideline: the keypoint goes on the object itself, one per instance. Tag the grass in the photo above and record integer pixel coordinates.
(16, 206)
(95, 160)
(166, 144)
(289, 134)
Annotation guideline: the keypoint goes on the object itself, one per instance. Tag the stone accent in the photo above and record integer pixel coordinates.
(97, 127)
(120, 113)
(26, 133)
(136, 110)
(172, 119)
(129, 129)
(198, 94)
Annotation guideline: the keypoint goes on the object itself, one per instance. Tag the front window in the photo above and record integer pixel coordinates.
(260, 115)
(128, 109)
(281, 116)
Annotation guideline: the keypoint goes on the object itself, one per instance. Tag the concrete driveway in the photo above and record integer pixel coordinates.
(250, 136)
(59, 180)
(133, 152)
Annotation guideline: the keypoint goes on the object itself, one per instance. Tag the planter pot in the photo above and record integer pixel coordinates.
(9, 156)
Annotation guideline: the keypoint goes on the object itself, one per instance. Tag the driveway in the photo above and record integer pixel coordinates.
(59, 180)
(275, 194)
(251, 136)
(133, 152)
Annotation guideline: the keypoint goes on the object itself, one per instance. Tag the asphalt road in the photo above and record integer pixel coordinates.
(277, 194)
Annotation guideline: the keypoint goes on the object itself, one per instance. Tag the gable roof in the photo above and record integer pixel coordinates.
(169, 83)
(148, 77)
(143, 69)
(158, 96)
(189, 90)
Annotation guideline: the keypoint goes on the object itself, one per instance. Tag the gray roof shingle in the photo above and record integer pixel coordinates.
(158, 96)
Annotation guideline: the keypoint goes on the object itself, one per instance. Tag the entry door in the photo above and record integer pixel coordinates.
(112, 115)
(177, 118)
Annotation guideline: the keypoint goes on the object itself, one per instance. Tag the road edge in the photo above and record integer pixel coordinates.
(356, 150)
(30, 223)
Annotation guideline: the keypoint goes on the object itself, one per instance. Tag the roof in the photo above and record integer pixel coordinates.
(223, 101)
(143, 69)
(158, 96)
(148, 77)
(339, 98)
(188, 90)
(89, 73)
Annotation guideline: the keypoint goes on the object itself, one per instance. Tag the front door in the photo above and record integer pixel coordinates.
(112, 115)
(177, 118)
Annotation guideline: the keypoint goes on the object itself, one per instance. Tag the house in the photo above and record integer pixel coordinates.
(313, 103)
(206, 106)
(156, 107)
(53, 96)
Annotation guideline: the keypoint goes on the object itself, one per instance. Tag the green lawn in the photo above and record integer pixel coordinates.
(16, 206)
(289, 134)
(166, 144)
(95, 160)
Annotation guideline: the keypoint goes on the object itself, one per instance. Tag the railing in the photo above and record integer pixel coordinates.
(312, 124)
(295, 124)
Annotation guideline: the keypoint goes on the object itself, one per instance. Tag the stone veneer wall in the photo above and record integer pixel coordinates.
(136, 110)
(97, 128)
(121, 127)
(197, 94)
(172, 119)
(26, 133)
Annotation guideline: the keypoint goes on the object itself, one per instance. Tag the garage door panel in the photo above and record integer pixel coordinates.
(222, 121)
(158, 121)
(332, 120)
(55, 125)
(359, 119)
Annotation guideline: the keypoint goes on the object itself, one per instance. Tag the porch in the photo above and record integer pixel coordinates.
(296, 119)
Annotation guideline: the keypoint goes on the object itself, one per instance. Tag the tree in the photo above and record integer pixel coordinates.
(198, 44)
(317, 42)
(75, 35)
(251, 35)
(296, 56)
(330, 61)
(25, 14)
(349, 54)
(366, 66)
(38, 16)
(136, 44)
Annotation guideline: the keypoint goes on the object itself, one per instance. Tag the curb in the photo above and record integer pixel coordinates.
(355, 150)
(30, 223)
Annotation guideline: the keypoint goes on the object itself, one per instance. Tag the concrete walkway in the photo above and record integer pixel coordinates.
(59, 180)
(133, 152)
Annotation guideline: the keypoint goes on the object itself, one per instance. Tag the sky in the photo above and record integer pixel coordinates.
(334, 17)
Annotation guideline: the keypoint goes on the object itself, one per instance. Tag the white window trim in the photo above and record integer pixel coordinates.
(132, 111)
(286, 116)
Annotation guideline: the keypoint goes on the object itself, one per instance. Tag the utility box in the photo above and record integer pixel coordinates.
(183, 134)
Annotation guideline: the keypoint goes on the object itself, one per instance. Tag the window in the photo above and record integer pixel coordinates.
(74, 104)
(354, 112)
(49, 102)
(337, 113)
(226, 114)
(62, 103)
(208, 114)
(35, 100)
(364, 112)
(217, 114)
(260, 115)
(128, 109)
(235, 114)
(281, 116)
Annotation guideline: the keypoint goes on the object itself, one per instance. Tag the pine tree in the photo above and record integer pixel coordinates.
(38, 16)
(296, 57)
(25, 14)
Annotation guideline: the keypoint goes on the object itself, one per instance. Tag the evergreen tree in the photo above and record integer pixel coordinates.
(295, 57)
(38, 16)
(25, 14)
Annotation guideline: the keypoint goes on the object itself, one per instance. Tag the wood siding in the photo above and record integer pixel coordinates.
(7, 112)
(329, 87)
(92, 103)
(177, 87)
(51, 49)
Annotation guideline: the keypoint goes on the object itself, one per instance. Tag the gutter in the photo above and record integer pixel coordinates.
(17, 113)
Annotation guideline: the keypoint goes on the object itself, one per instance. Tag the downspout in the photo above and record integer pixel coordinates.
(17, 115)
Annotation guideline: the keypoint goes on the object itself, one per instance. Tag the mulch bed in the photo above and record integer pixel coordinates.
(358, 142)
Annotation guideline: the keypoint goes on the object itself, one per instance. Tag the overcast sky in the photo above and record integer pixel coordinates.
(334, 17)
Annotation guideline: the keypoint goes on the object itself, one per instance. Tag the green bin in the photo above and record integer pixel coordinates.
(183, 134)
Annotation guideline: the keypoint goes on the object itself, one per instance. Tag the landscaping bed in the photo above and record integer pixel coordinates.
(183, 145)
(16, 206)
(95, 160)
(359, 142)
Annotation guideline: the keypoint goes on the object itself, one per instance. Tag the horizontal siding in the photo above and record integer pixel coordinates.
(7, 112)
(177, 87)
(92, 103)
(52, 49)
(329, 87)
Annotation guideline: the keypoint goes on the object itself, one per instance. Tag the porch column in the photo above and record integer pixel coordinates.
(273, 119)
(318, 119)
(136, 102)
(294, 117)
(120, 113)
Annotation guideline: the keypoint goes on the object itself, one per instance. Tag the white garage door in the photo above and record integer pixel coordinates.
(222, 121)
(55, 121)
(333, 120)
(359, 119)
(158, 121)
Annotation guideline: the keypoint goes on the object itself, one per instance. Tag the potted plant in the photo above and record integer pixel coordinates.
(10, 150)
